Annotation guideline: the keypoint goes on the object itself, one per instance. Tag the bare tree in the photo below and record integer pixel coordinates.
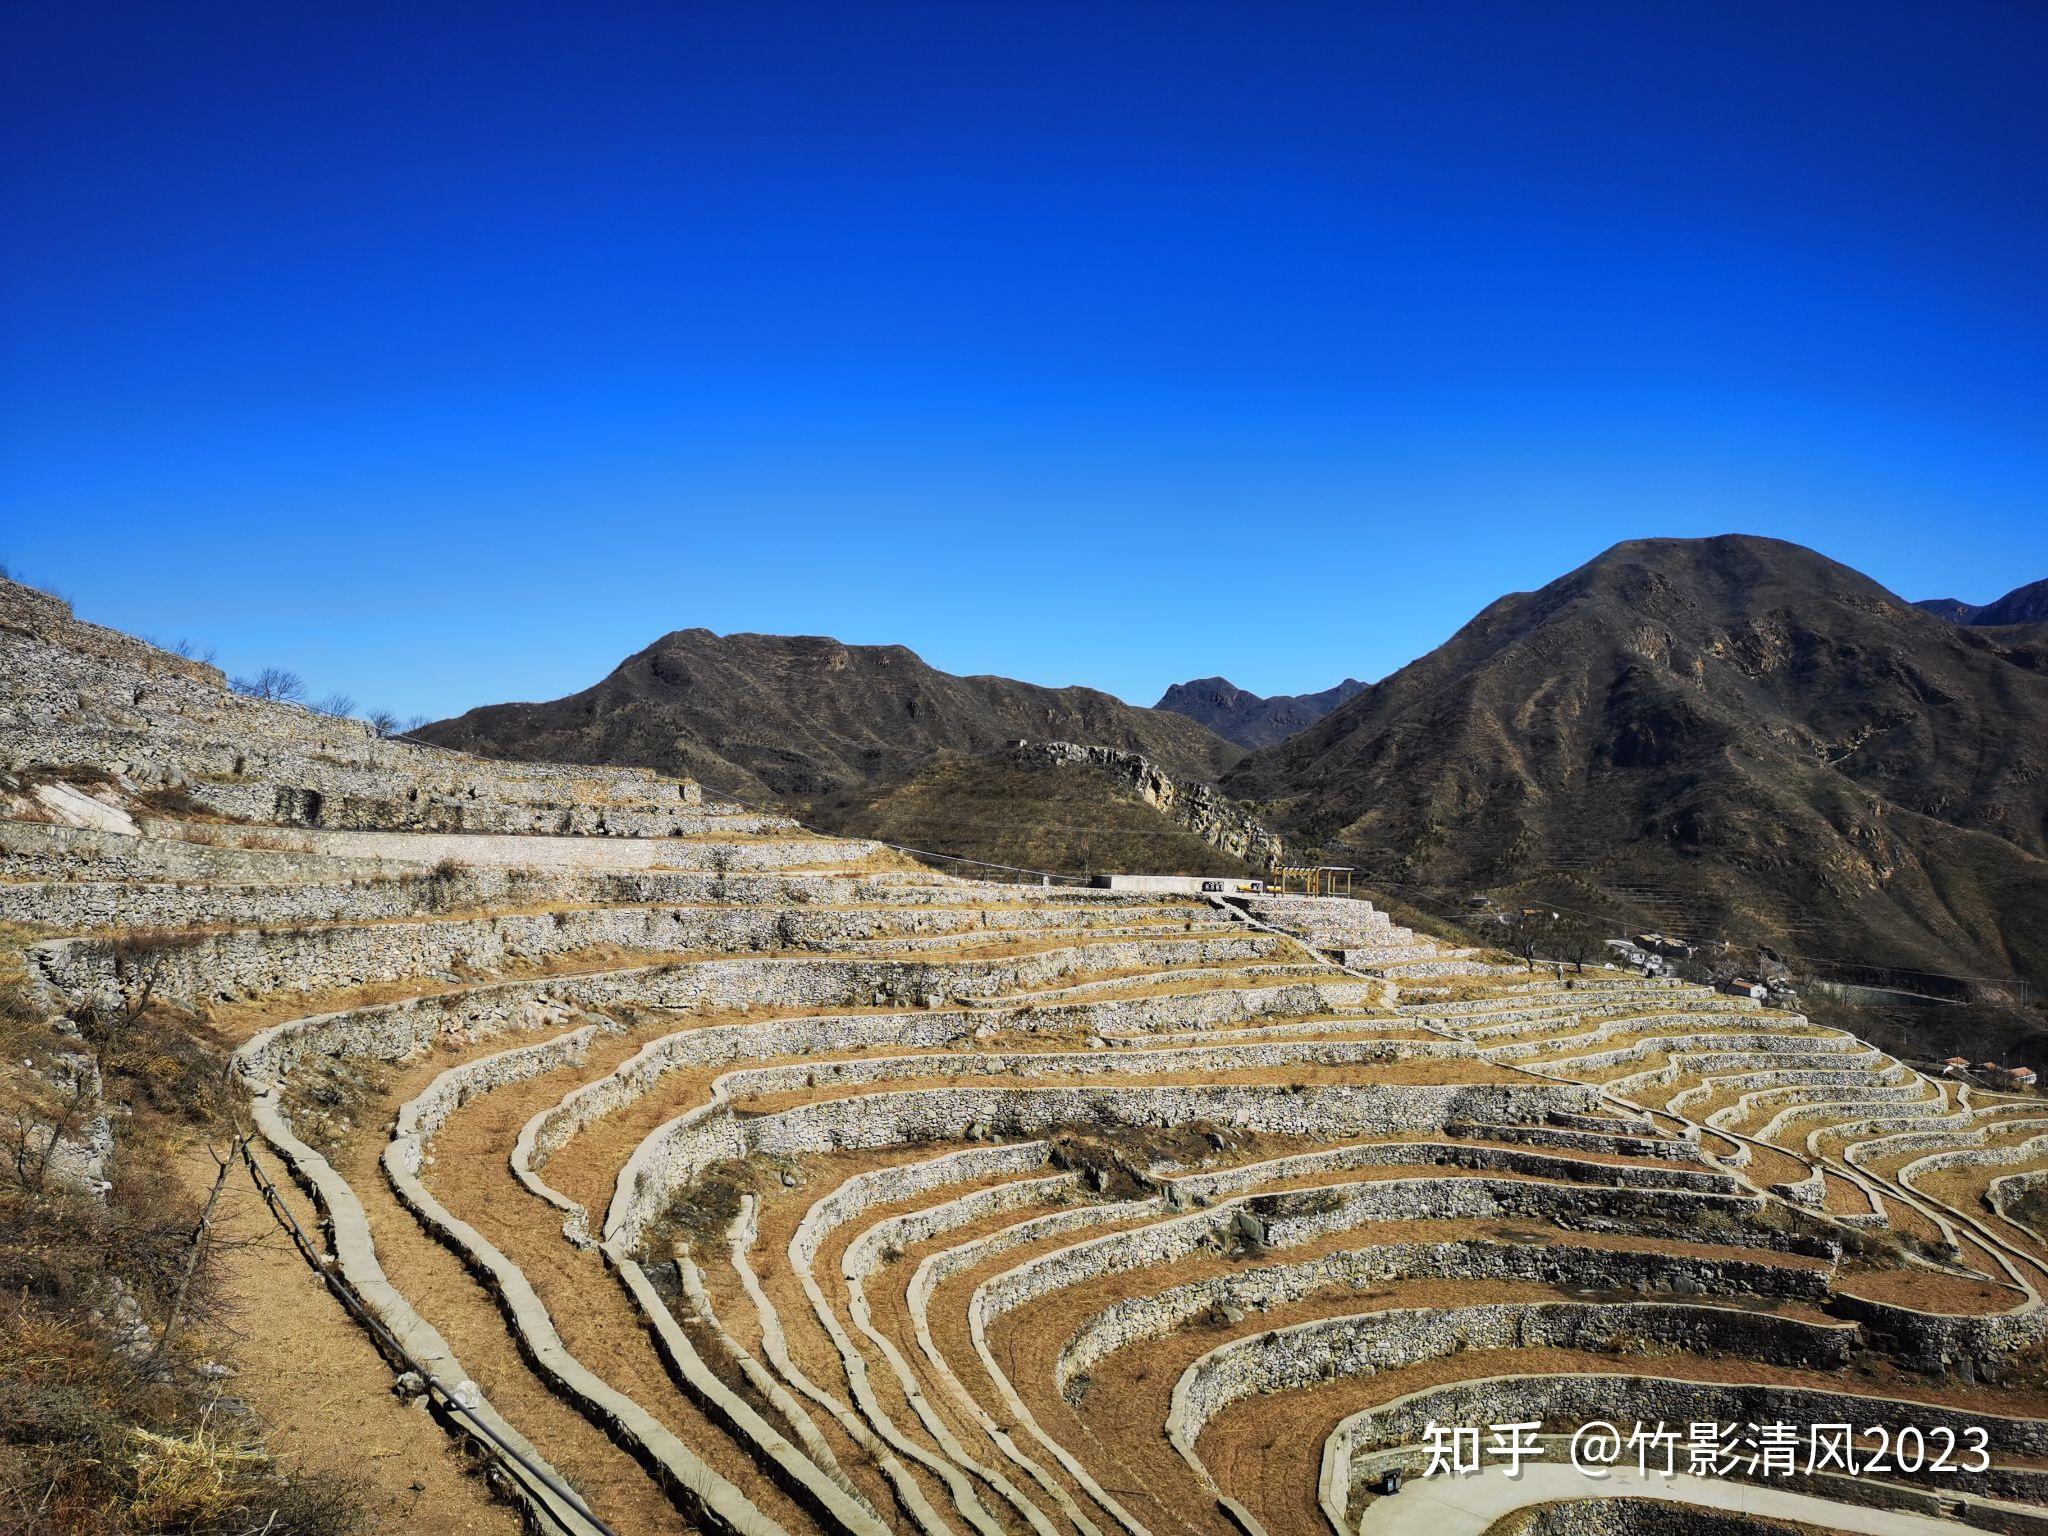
(1576, 940)
(383, 722)
(336, 704)
(1525, 931)
(272, 683)
(197, 1247)
(39, 1123)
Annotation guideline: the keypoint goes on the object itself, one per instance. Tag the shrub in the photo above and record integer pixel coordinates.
(172, 800)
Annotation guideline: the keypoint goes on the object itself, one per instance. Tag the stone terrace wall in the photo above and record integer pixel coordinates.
(79, 694)
(1289, 1359)
(1250, 1291)
(669, 1158)
(250, 963)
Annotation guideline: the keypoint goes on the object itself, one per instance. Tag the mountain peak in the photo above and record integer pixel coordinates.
(2022, 605)
(1791, 748)
(1246, 718)
(798, 716)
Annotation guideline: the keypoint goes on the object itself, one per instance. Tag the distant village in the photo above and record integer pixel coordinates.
(1656, 954)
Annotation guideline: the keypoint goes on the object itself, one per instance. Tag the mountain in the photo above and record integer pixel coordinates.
(1248, 719)
(1742, 737)
(799, 717)
(2022, 605)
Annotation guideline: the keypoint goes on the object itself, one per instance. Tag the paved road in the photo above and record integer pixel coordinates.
(1466, 1506)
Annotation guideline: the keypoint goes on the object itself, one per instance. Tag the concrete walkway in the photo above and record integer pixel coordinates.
(1467, 1506)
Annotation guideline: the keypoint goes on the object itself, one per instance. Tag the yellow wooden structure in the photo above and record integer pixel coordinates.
(1311, 879)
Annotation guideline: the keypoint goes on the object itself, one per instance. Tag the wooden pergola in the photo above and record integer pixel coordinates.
(1312, 879)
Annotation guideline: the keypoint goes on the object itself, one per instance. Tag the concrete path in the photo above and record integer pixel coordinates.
(1467, 1506)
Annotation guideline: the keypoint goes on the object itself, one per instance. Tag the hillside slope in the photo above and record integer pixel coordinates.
(799, 716)
(1773, 744)
(1026, 812)
(1248, 719)
(2022, 605)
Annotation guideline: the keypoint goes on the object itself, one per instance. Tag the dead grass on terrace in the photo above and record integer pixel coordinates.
(1130, 1393)
(322, 1389)
(1928, 1291)
(882, 861)
(1842, 1196)
(483, 911)
(1267, 1451)
(103, 1433)
(886, 1292)
(1968, 1190)
(778, 1217)
(1576, 989)
(1194, 976)
(1121, 1411)
(1772, 1165)
(589, 1307)
(240, 1021)
(1908, 1221)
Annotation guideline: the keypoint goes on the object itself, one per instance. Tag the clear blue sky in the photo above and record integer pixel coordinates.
(448, 353)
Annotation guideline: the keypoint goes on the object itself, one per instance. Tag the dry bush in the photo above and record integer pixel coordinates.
(92, 1445)
(109, 1295)
(172, 800)
(702, 1213)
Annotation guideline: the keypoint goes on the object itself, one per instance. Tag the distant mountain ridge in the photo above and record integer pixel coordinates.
(1248, 719)
(1774, 744)
(801, 716)
(2022, 605)
(1759, 741)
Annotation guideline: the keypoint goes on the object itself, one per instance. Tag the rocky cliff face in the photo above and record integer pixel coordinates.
(1201, 808)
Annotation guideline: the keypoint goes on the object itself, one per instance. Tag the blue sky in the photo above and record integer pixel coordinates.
(449, 353)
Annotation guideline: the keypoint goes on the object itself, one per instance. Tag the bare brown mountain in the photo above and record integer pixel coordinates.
(2022, 605)
(1749, 737)
(799, 717)
(1247, 718)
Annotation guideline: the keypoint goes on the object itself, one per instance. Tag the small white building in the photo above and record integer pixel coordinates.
(1180, 885)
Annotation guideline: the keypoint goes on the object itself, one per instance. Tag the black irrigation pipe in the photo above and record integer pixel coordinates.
(387, 1343)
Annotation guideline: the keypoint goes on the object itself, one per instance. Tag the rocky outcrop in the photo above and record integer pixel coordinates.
(1202, 808)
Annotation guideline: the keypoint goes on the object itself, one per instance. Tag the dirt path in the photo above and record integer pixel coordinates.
(321, 1388)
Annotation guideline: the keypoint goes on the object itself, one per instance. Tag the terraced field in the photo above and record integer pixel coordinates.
(743, 1180)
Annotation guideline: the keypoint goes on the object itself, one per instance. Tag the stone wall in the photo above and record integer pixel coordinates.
(669, 1158)
(1566, 1266)
(1363, 1344)
(208, 968)
(1292, 1217)
(79, 694)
